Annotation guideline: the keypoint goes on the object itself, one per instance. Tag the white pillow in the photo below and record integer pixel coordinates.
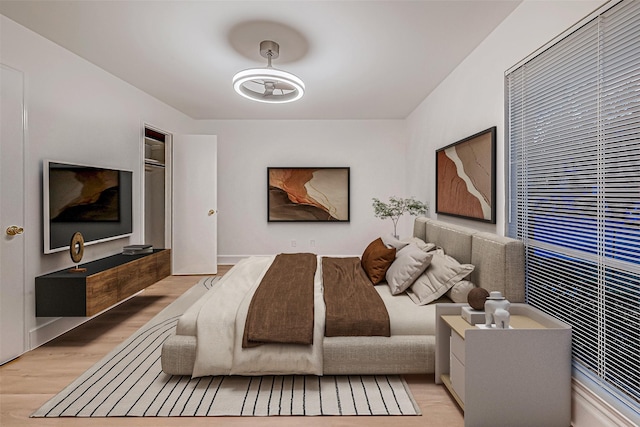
(410, 263)
(442, 274)
(460, 291)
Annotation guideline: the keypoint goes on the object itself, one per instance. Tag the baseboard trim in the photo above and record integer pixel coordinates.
(57, 326)
(52, 329)
(230, 259)
(590, 410)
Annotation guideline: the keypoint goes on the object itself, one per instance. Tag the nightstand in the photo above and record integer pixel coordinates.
(506, 377)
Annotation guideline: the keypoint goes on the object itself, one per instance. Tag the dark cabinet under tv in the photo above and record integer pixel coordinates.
(106, 282)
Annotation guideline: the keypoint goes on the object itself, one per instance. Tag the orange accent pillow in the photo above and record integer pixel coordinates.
(376, 259)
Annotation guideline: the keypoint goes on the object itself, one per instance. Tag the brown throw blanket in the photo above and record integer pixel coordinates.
(354, 307)
(281, 310)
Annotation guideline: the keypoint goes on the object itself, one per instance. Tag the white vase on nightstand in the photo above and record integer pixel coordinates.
(494, 302)
(501, 318)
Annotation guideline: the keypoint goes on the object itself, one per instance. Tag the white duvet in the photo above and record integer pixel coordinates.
(219, 319)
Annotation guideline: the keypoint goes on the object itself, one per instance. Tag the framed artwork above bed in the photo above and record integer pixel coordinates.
(308, 194)
(466, 177)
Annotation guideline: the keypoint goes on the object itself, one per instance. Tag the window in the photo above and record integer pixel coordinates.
(573, 126)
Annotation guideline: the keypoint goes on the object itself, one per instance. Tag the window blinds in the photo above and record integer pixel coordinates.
(573, 126)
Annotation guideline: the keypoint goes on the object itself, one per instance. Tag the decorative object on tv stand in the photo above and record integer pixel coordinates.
(137, 249)
(495, 302)
(76, 251)
(396, 207)
(268, 84)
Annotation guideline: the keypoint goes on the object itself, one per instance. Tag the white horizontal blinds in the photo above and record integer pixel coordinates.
(513, 128)
(573, 115)
(620, 128)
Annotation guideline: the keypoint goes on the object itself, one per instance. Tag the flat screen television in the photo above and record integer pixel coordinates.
(93, 200)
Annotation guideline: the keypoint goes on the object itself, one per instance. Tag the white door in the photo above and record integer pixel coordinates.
(12, 331)
(194, 245)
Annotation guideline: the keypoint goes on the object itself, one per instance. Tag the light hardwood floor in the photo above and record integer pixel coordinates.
(29, 381)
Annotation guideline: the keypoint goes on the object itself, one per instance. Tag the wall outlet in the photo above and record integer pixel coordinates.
(293, 243)
(312, 243)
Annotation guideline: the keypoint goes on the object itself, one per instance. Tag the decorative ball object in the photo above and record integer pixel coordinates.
(477, 297)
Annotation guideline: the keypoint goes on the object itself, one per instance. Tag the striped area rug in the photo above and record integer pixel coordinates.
(129, 382)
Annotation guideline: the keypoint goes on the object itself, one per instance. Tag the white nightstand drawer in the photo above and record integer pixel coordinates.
(457, 346)
(457, 377)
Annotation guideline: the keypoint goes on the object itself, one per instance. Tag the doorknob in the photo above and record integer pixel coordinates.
(211, 212)
(14, 229)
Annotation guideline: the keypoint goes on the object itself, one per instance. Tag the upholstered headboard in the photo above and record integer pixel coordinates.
(498, 260)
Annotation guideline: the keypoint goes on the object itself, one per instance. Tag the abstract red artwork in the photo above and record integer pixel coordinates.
(308, 194)
(465, 177)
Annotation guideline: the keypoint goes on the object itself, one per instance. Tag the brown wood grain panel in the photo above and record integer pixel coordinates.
(101, 291)
(147, 270)
(129, 279)
(163, 264)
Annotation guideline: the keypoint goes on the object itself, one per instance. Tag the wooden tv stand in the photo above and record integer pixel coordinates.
(106, 282)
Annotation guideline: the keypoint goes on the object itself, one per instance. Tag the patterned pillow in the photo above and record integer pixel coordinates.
(411, 262)
(376, 259)
(442, 274)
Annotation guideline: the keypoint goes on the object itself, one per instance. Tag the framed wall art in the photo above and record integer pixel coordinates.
(466, 177)
(308, 194)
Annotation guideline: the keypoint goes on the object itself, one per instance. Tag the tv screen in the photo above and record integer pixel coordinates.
(93, 200)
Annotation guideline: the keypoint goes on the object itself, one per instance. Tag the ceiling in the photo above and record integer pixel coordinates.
(359, 59)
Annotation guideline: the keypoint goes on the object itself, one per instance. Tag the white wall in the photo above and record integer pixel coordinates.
(471, 99)
(374, 150)
(76, 112)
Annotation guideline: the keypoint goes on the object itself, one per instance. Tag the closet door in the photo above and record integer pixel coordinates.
(194, 243)
(12, 247)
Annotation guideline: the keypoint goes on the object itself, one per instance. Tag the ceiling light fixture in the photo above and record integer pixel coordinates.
(268, 84)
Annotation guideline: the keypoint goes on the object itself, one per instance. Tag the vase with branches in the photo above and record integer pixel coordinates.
(396, 207)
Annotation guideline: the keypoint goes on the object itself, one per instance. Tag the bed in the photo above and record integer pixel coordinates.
(493, 262)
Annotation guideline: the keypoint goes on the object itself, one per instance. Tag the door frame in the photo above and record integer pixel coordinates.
(168, 182)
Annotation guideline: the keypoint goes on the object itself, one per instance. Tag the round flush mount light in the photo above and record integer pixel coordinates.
(268, 84)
